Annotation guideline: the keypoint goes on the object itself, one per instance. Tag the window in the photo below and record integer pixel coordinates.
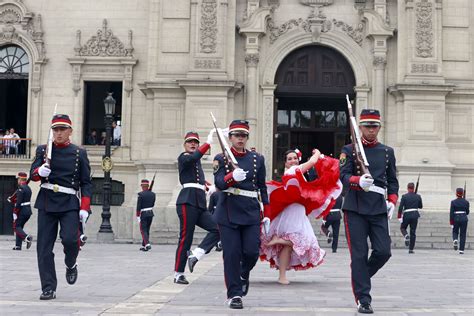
(94, 94)
(14, 62)
(118, 192)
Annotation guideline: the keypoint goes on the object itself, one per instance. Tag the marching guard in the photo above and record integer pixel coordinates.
(64, 171)
(145, 204)
(366, 208)
(191, 206)
(333, 220)
(238, 211)
(21, 211)
(408, 214)
(458, 219)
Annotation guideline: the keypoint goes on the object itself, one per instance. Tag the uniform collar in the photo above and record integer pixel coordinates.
(62, 145)
(238, 154)
(368, 144)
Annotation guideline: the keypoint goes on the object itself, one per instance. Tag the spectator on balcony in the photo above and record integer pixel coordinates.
(92, 138)
(6, 142)
(117, 135)
(103, 137)
(15, 142)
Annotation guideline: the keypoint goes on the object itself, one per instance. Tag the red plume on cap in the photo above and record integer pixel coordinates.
(145, 182)
(22, 175)
(299, 154)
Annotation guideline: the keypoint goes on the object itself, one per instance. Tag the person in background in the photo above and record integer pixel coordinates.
(92, 138)
(117, 135)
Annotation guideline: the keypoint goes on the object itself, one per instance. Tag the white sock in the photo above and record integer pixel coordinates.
(198, 253)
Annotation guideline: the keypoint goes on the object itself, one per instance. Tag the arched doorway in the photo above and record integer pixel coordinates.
(310, 106)
(14, 72)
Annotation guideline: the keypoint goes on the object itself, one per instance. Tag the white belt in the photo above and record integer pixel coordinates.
(335, 210)
(25, 203)
(58, 188)
(460, 212)
(247, 193)
(410, 210)
(146, 209)
(376, 189)
(195, 185)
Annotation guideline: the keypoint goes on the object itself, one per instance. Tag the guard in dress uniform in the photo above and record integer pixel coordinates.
(458, 219)
(333, 219)
(238, 211)
(365, 212)
(408, 215)
(63, 179)
(145, 204)
(22, 212)
(191, 206)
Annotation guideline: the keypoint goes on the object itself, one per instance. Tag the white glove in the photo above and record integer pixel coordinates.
(44, 170)
(225, 131)
(452, 226)
(324, 222)
(83, 215)
(266, 225)
(138, 219)
(211, 189)
(365, 181)
(15, 217)
(400, 220)
(390, 209)
(239, 174)
(210, 136)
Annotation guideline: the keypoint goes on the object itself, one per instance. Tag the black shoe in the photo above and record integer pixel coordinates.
(455, 244)
(16, 248)
(148, 247)
(411, 251)
(407, 240)
(329, 237)
(181, 280)
(143, 248)
(245, 286)
(192, 260)
(218, 247)
(365, 308)
(48, 295)
(29, 240)
(236, 303)
(324, 230)
(461, 252)
(71, 274)
(334, 251)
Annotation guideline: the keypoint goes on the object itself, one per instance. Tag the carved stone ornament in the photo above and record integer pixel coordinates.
(252, 60)
(104, 44)
(379, 61)
(424, 29)
(424, 68)
(10, 15)
(208, 43)
(207, 64)
(316, 25)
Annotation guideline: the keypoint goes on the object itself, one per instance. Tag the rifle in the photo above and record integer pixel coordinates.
(49, 144)
(224, 146)
(361, 159)
(464, 192)
(417, 183)
(152, 182)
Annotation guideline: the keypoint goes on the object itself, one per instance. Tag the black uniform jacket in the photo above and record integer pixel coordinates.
(146, 199)
(410, 200)
(69, 168)
(458, 211)
(381, 161)
(23, 195)
(190, 171)
(233, 209)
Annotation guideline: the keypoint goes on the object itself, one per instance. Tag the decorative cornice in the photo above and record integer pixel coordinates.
(104, 44)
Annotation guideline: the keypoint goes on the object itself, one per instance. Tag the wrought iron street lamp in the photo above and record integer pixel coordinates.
(105, 232)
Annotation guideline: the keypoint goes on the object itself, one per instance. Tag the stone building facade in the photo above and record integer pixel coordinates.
(283, 65)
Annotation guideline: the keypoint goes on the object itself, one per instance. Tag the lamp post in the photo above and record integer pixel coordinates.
(105, 232)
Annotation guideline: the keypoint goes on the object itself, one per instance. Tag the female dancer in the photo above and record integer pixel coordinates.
(291, 242)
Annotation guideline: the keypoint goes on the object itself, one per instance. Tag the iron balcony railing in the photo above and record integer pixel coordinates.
(15, 148)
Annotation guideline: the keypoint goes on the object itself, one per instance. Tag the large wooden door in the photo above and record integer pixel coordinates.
(310, 107)
(7, 187)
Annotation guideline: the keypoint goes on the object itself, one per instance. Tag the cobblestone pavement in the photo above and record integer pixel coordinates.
(118, 279)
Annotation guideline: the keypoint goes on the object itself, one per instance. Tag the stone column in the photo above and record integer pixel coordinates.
(251, 60)
(266, 128)
(379, 85)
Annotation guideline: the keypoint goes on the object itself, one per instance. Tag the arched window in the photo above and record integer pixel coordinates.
(14, 62)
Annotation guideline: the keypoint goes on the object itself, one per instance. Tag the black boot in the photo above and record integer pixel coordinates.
(16, 248)
(219, 246)
(329, 237)
(245, 286)
(192, 260)
(407, 240)
(181, 280)
(236, 303)
(71, 274)
(455, 244)
(48, 295)
(29, 240)
(365, 308)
